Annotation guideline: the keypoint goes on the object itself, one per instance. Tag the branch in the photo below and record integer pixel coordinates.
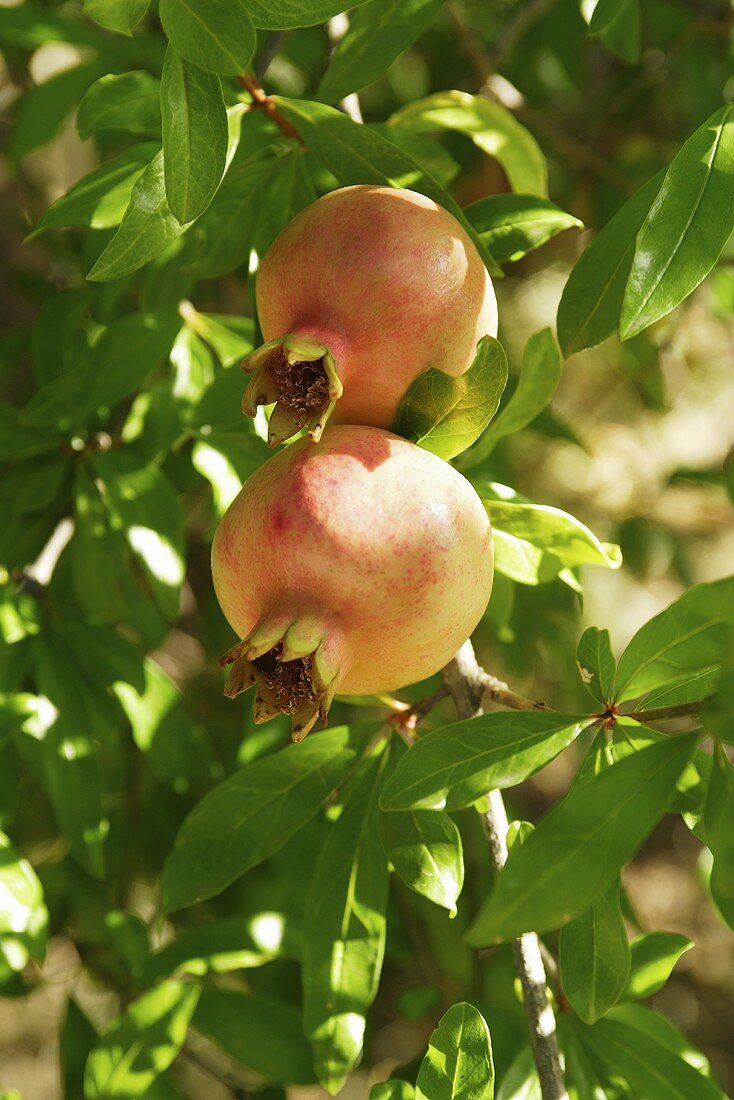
(676, 710)
(470, 685)
(263, 102)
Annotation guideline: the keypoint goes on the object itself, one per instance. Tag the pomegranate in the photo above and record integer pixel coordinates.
(358, 566)
(364, 290)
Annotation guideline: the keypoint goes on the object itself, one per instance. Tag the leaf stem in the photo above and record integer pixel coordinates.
(660, 714)
(470, 685)
(262, 101)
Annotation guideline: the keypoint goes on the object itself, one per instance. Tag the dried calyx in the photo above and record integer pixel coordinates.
(298, 375)
(286, 680)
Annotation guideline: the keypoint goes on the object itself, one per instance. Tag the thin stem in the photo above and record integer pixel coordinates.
(467, 682)
(263, 102)
(660, 714)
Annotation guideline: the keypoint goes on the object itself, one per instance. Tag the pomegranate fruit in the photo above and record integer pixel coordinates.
(357, 566)
(364, 290)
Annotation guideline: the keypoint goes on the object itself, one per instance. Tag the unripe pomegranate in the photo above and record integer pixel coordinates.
(357, 566)
(364, 290)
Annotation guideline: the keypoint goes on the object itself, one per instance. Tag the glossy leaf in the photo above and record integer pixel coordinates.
(357, 154)
(238, 943)
(125, 101)
(686, 637)
(76, 1040)
(425, 849)
(344, 930)
(195, 136)
(698, 685)
(116, 15)
(378, 32)
(539, 377)
(446, 415)
(649, 1068)
(452, 767)
(521, 1080)
(619, 25)
(591, 303)
(216, 35)
(43, 108)
(513, 225)
(653, 957)
(458, 1065)
(719, 825)
(491, 127)
(146, 230)
(259, 1032)
(595, 957)
(276, 15)
(141, 1043)
(235, 826)
(580, 845)
(596, 664)
(687, 227)
(534, 542)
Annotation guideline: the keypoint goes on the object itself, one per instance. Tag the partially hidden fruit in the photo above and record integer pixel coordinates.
(358, 566)
(364, 290)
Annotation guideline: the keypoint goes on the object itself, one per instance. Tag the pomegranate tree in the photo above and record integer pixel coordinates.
(364, 290)
(358, 566)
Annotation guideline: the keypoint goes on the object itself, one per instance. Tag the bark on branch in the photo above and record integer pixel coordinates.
(470, 686)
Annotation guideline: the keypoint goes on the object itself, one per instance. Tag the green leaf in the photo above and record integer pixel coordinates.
(76, 1040)
(23, 913)
(539, 376)
(687, 227)
(226, 460)
(392, 1090)
(648, 1067)
(686, 637)
(619, 25)
(357, 154)
(653, 957)
(378, 32)
(146, 230)
(238, 943)
(596, 664)
(690, 689)
(344, 929)
(719, 825)
(458, 1065)
(45, 106)
(716, 715)
(122, 16)
(591, 303)
(195, 136)
(230, 336)
(578, 848)
(128, 101)
(141, 1043)
(446, 415)
(512, 225)
(452, 767)
(260, 1032)
(125, 354)
(533, 543)
(99, 199)
(253, 813)
(18, 441)
(277, 15)
(491, 127)
(521, 1080)
(216, 35)
(595, 957)
(425, 849)
(176, 748)
(143, 505)
(662, 1031)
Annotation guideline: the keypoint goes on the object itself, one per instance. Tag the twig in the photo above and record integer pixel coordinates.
(467, 682)
(263, 102)
(661, 714)
(336, 28)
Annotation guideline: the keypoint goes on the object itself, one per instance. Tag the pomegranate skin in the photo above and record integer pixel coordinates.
(376, 285)
(365, 557)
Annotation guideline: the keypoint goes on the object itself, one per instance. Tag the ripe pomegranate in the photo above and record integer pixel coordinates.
(357, 566)
(364, 290)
